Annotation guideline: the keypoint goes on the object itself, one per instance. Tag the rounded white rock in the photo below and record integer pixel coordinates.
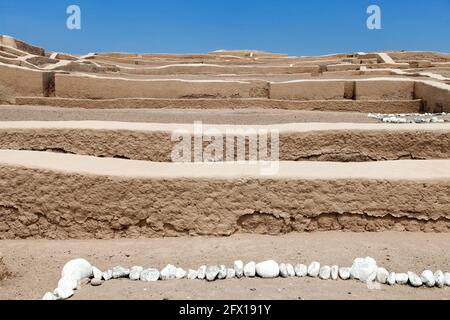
(325, 272)
(212, 272)
(192, 274)
(439, 278)
(314, 269)
(169, 272)
(414, 279)
(107, 275)
(391, 278)
(334, 272)
(97, 273)
(201, 274)
(231, 273)
(447, 279)
(401, 278)
(180, 273)
(49, 296)
(63, 293)
(150, 275)
(382, 275)
(239, 268)
(250, 269)
(344, 273)
(120, 272)
(222, 272)
(135, 272)
(427, 278)
(301, 270)
(290, 270)
(77, 269)
(67, 282)
(268, 269)
(283, 270)
(364, 269)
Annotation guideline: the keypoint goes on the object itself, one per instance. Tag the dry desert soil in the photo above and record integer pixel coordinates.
(36, 265)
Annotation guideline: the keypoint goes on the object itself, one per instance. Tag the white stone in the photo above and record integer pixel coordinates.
(169, 272)
(283, 270)
(120, 272)
(427, 278)
(344, 273)
(447, 279)
(192, 274)
(107, 275)
(382, 275)
(301, 270)
(439, 278)
(401, 278)
(77, 269)
(201, 273)
(414, 279)
(49, 296)
(97, 273)
(63, 293)
(231, 273)
(239, 268)
(180, 273)
(391, 278)
(222, 272)
(290, 270)
(314, 269)
(325, 272)
(334, 272)
(212, 272)
(67, 282)
(250, 269)
(268, 269)
(135, 272)
(150, 275)
(364, 269)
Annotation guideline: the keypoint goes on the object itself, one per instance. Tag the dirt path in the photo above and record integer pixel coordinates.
(37, 265)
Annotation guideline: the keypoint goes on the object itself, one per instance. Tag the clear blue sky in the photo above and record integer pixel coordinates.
(296, 27)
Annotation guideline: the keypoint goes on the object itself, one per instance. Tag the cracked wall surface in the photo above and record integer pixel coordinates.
(375, 143)
(74, 203)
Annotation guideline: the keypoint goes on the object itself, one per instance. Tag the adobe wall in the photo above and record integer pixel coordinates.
(91, 87)
(63, 198)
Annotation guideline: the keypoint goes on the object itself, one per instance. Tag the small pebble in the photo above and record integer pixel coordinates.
(391, 278)
(212, 272)
(401, 278)
(334, 272)
(107, 275)
(120, 272)
(201, 274)
(301, 270)
(428, 279)
(231, 273)
(325, 272)
(283, 270)
(169, 272)
(268, 269)
(344, 273)
(96, 282)
(239, 268)
(222, 272)
(135, 272)
(290, 270)
(180, 273)
(414, 279)
(439, 278)
(150, 275)
(192, 274)
(97, 273)
(382, 275)
(250, 269)
(314, 269)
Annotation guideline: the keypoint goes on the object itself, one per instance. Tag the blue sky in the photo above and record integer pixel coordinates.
(296, 27)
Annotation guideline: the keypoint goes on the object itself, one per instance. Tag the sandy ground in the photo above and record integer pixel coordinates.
(224, 116)
(37, 264)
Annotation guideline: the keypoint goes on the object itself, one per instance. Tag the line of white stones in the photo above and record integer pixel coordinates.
(363, 269)
(406, 117)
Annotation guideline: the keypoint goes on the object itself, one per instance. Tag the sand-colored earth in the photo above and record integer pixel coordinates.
(36, 265)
